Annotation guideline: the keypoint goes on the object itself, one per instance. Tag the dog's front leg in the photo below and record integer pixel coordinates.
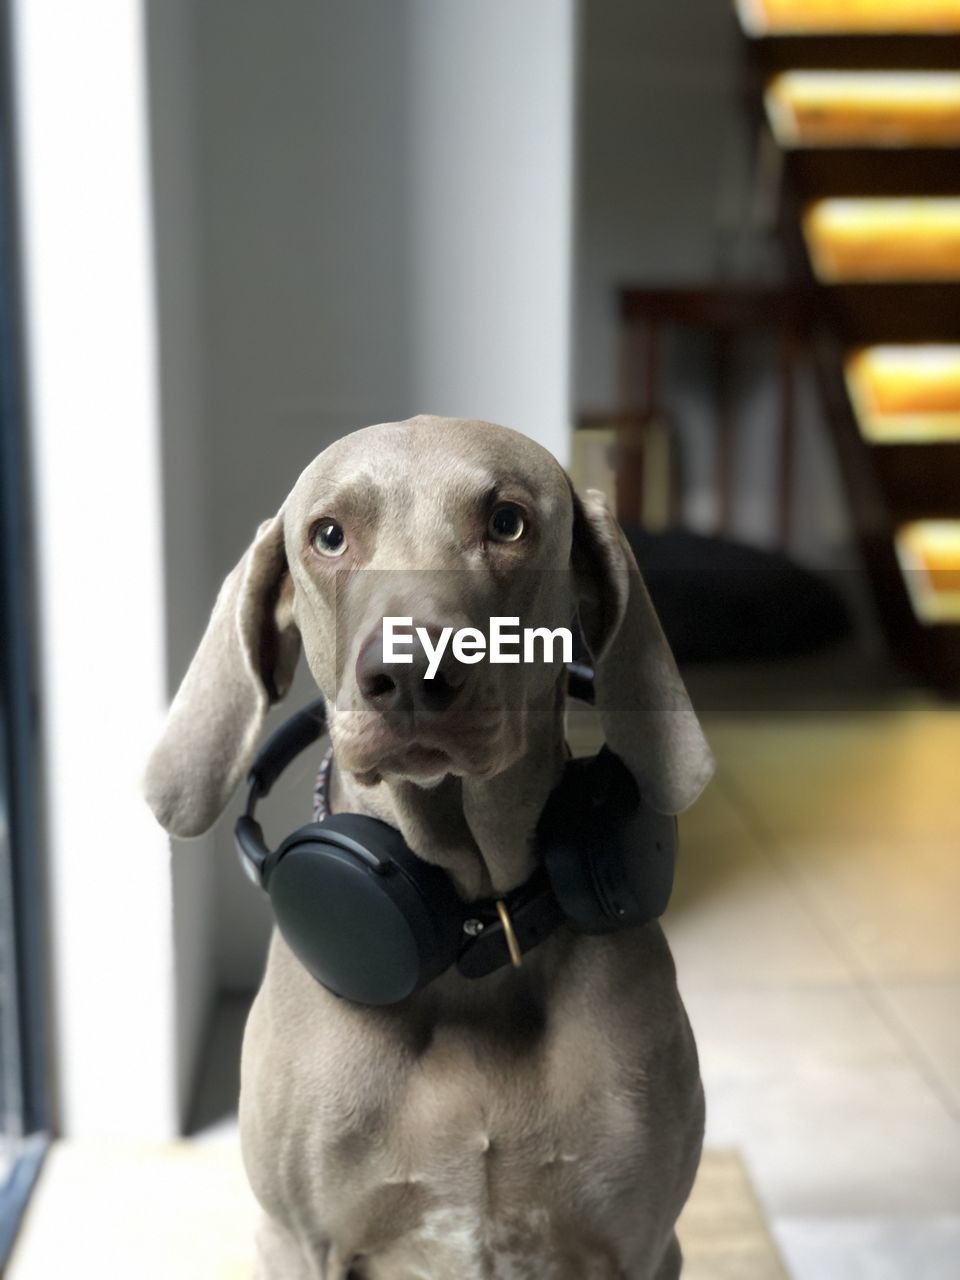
(279, 1255)
(282, 1256)
(671, 1263)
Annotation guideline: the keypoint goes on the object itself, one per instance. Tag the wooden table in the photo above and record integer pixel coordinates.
(726, 312)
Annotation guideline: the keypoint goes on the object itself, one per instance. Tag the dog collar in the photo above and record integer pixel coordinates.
(499, 931)
(321, 788)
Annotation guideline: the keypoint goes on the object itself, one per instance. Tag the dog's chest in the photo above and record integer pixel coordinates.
(471, 1151)
(462, 1161)
(516, 1176)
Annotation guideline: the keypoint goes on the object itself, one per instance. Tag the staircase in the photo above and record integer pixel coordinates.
(861, 99)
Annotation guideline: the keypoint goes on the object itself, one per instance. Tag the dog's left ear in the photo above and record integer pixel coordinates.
(645, 710)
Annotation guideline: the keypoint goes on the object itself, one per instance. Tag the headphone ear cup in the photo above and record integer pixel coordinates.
(366, 917)
(564, 835)
(610, 859)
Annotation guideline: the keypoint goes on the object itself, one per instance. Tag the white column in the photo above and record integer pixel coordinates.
(490, 211)
(92, 384)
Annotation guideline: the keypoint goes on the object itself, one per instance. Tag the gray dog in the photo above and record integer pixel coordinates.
(543, 1123)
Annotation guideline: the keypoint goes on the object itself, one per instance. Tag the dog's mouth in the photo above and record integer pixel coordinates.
(415, 761)
(370, 748)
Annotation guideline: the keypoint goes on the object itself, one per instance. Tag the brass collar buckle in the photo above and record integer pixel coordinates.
(513, 946)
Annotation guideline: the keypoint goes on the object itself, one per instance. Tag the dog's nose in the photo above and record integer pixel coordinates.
(402, 687)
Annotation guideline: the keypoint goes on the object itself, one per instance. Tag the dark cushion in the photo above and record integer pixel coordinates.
(720, 600)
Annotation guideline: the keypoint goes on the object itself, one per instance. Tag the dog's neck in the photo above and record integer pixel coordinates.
(481, 831)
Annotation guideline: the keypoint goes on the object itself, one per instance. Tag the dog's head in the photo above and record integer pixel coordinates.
(448, 523)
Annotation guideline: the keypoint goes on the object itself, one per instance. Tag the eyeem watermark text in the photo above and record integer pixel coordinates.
(506, 643)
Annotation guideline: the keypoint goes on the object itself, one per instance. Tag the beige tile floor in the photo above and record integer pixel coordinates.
(816, 928)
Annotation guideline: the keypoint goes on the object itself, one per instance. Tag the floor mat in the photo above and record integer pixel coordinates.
(185, 1210)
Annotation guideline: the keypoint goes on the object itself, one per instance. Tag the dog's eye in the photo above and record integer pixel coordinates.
(506, 523)
(328, 538)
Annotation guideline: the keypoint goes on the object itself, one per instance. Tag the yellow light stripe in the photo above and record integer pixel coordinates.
(858, 108)
(906, 394)
(929, 556)
(884, 239)
(801, 17)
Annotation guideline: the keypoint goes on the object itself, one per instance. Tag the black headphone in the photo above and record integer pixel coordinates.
(373, 922)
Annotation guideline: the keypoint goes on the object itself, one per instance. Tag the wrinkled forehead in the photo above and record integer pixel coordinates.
(443, 463)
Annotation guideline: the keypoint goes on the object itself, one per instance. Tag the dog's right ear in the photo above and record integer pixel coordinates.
(245, 662)
(647, 716)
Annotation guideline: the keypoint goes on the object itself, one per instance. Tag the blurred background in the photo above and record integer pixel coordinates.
(709, 255)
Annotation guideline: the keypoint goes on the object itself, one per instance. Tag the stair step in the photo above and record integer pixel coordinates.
(825, 17)
(864, 108)
(880, 239)
(929, 555)
(906, 393)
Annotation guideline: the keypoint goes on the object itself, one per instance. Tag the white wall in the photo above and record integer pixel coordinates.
(91, 342)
